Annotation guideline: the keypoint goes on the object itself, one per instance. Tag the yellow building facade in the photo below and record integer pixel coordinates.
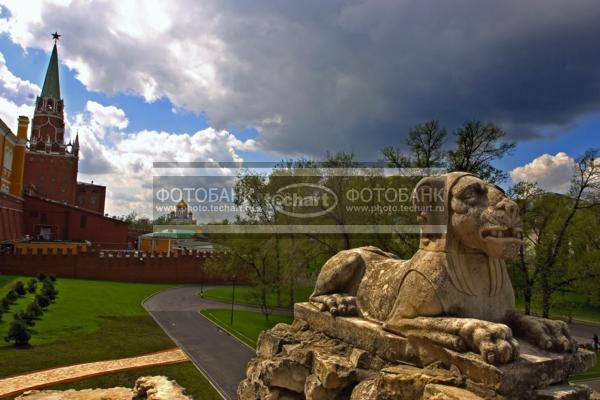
(12, 157)
(51, 247)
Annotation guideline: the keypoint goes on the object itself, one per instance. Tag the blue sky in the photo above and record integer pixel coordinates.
(145, 82)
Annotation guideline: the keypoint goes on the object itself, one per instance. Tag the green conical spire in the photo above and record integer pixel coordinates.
(51, 83)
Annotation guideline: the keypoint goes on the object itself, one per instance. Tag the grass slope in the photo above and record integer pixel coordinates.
(248, 296)
(247, 325)
(90, 321)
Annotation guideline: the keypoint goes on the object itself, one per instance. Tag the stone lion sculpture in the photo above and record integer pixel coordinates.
(455, 290)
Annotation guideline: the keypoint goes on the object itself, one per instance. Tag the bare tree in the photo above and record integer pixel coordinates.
(424, 143)
(477, 145)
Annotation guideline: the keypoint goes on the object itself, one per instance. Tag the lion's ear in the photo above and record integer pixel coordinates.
(429, 201)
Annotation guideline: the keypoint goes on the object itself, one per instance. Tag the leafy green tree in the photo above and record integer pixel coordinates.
(18, 333)
(526, 195)
(556, 251)
(477, 146)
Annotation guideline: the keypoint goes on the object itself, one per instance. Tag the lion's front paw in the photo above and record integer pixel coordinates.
(545, 333)
(494, 341)
(337, 304)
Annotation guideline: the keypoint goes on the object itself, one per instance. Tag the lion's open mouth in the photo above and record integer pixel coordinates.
(500, 233)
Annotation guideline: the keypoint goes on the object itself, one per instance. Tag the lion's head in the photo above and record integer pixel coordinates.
(484, 218)
(476, 217)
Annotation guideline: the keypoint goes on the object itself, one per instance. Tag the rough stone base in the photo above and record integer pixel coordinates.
(320, 357)
(146, 388)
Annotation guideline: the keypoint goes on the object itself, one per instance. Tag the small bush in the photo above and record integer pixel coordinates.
(11, 296)
(34, 309)
(32, 286)
(18, 333)
(52, 277)
(49, 291)
(25, 317)
(41, 277)
(42, 300)
(5, 304)
(19, 288)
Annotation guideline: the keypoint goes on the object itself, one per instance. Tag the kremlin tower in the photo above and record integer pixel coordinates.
(50, 163)
(40, 198)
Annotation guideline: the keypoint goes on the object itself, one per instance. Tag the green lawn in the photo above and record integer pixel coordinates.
(247, 325)
(570, 303)
(90, 321)
(248, 295)
(185, 374)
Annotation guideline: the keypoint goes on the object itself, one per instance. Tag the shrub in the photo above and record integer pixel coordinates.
(34, 309)
(18, 333)
(32, 286)
(5, 304)
(25, 317)
(11, 296)
(49, 291)
(42, 300)
(19, 288)
(52, 277)
(41, 277)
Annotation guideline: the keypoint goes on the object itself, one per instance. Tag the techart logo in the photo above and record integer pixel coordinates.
(304, 200)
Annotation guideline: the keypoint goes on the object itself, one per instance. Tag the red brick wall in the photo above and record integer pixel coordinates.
(90, 196)
(72, 223)
(46, 125)
(188, 268)
(11, 217)
(54, 176)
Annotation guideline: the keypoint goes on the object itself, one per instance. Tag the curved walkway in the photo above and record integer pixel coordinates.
(17, 384)
(221, 357)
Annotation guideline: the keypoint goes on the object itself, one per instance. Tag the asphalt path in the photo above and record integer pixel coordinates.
(223, 358)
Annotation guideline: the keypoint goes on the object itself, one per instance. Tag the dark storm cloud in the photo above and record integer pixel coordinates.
(314, 76)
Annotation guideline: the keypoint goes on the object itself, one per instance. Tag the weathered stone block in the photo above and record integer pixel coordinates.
(441, 392)
(534, 369)
(334, 372)
(360, 358)
(563, 392)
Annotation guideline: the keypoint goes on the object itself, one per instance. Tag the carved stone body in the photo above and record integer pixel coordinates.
(455, 289)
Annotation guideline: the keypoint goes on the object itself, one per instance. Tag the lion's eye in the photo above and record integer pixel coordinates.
(472, 194)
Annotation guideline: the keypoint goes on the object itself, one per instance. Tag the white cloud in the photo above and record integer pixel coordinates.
(17, 96)
(123, 161)
(552, 172)
(106, 118)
